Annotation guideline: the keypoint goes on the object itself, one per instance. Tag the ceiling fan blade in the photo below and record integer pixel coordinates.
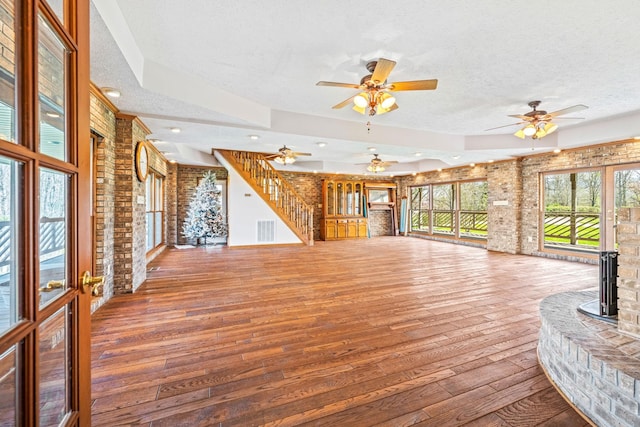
(300, 154)
(382, 70)
(390, 162)
(414, 85)
(568, 118)
(335, 84)
(505, 126)
(572, 109)
(344, 103)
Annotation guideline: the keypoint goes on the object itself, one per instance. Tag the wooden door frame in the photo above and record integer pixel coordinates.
(80, 31)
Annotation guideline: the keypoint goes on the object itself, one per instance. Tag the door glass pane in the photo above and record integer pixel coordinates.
(149, 225)
(54, 368)
(7, 72)
(349, 198)
(473, 209)
(56, 5)
(52, 56)
(626, 191)
(53, 234)
(8, 387)
(10, 227)
(572, 211)
(443, 209)
(158, 228)
(330, 199)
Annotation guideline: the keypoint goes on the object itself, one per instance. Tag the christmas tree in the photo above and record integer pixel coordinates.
(204, 218)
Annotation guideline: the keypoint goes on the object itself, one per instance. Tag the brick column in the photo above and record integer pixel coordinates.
(504, 207)
(628, 230)
(129, 219)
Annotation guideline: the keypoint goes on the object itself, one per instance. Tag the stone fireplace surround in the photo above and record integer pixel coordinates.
(593, 363)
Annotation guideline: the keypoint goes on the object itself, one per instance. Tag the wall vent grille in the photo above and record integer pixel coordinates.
(266, 231)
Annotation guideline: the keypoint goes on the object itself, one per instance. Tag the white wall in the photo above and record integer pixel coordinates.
(245, 209)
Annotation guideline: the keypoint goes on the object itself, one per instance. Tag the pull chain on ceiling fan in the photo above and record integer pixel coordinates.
(375, 97)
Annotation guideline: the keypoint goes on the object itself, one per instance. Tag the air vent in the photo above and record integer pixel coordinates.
(266, 231)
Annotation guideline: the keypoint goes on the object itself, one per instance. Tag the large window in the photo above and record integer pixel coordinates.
(572, 208)
(155, 210)
(456, 209)
(420, 209)
(473, 208)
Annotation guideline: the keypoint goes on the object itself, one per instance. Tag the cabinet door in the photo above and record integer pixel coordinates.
(357, 193)
(339, 198)
(362, 228)
(330, 201)
(352, 228)
(342, 229)
(330, 229)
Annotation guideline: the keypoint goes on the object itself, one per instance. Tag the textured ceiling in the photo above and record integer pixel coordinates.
(223, 70)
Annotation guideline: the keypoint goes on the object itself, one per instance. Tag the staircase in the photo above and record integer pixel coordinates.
(274, 190)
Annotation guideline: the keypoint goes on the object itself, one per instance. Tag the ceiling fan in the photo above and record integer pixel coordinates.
(285, 156)
(377, 164)
(374, 94)
(537, 123)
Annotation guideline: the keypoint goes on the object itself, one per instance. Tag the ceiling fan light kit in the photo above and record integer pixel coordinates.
(285, 156)
(375, 97)
(537, 123)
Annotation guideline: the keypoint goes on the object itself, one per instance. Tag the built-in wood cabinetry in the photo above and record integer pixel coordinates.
(343, 210)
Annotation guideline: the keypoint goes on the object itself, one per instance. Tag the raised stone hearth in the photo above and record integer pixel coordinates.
(595, 366)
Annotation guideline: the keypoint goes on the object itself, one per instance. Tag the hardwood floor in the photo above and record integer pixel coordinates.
(390, 331)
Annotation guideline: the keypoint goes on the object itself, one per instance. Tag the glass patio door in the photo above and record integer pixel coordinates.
(45, 230)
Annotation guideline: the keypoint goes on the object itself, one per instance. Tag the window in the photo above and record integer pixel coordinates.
(473, 209)
(155, 210)
(434, 209)
(572, 208)
(420, 212)
(444, 215)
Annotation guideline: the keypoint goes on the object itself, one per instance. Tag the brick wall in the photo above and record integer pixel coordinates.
(138, 217)
(171, 204)
(504, 180)
(187, 181)
(103, 122)
(309, 186)
(629, 271)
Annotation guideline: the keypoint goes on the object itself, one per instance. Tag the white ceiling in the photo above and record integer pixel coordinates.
(224, 70)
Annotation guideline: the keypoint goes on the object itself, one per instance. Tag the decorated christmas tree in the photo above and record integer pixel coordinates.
(204, 218)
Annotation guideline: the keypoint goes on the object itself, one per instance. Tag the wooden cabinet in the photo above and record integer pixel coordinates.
(342, 210)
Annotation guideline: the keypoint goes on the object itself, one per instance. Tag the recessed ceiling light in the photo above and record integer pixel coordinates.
(439, 169)
(321, 144)
(557, 150)
(414, 173)
(455, 157)
(490, 161)
(636, 137)
(418, 154)
(254, 137)
(175, 130)
(112, 92)
(371, 148)
(472, 164)
(172, 161)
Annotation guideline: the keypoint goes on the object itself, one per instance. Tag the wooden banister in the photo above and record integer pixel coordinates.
(276, 191)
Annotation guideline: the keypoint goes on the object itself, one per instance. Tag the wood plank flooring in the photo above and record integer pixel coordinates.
(390, 331)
